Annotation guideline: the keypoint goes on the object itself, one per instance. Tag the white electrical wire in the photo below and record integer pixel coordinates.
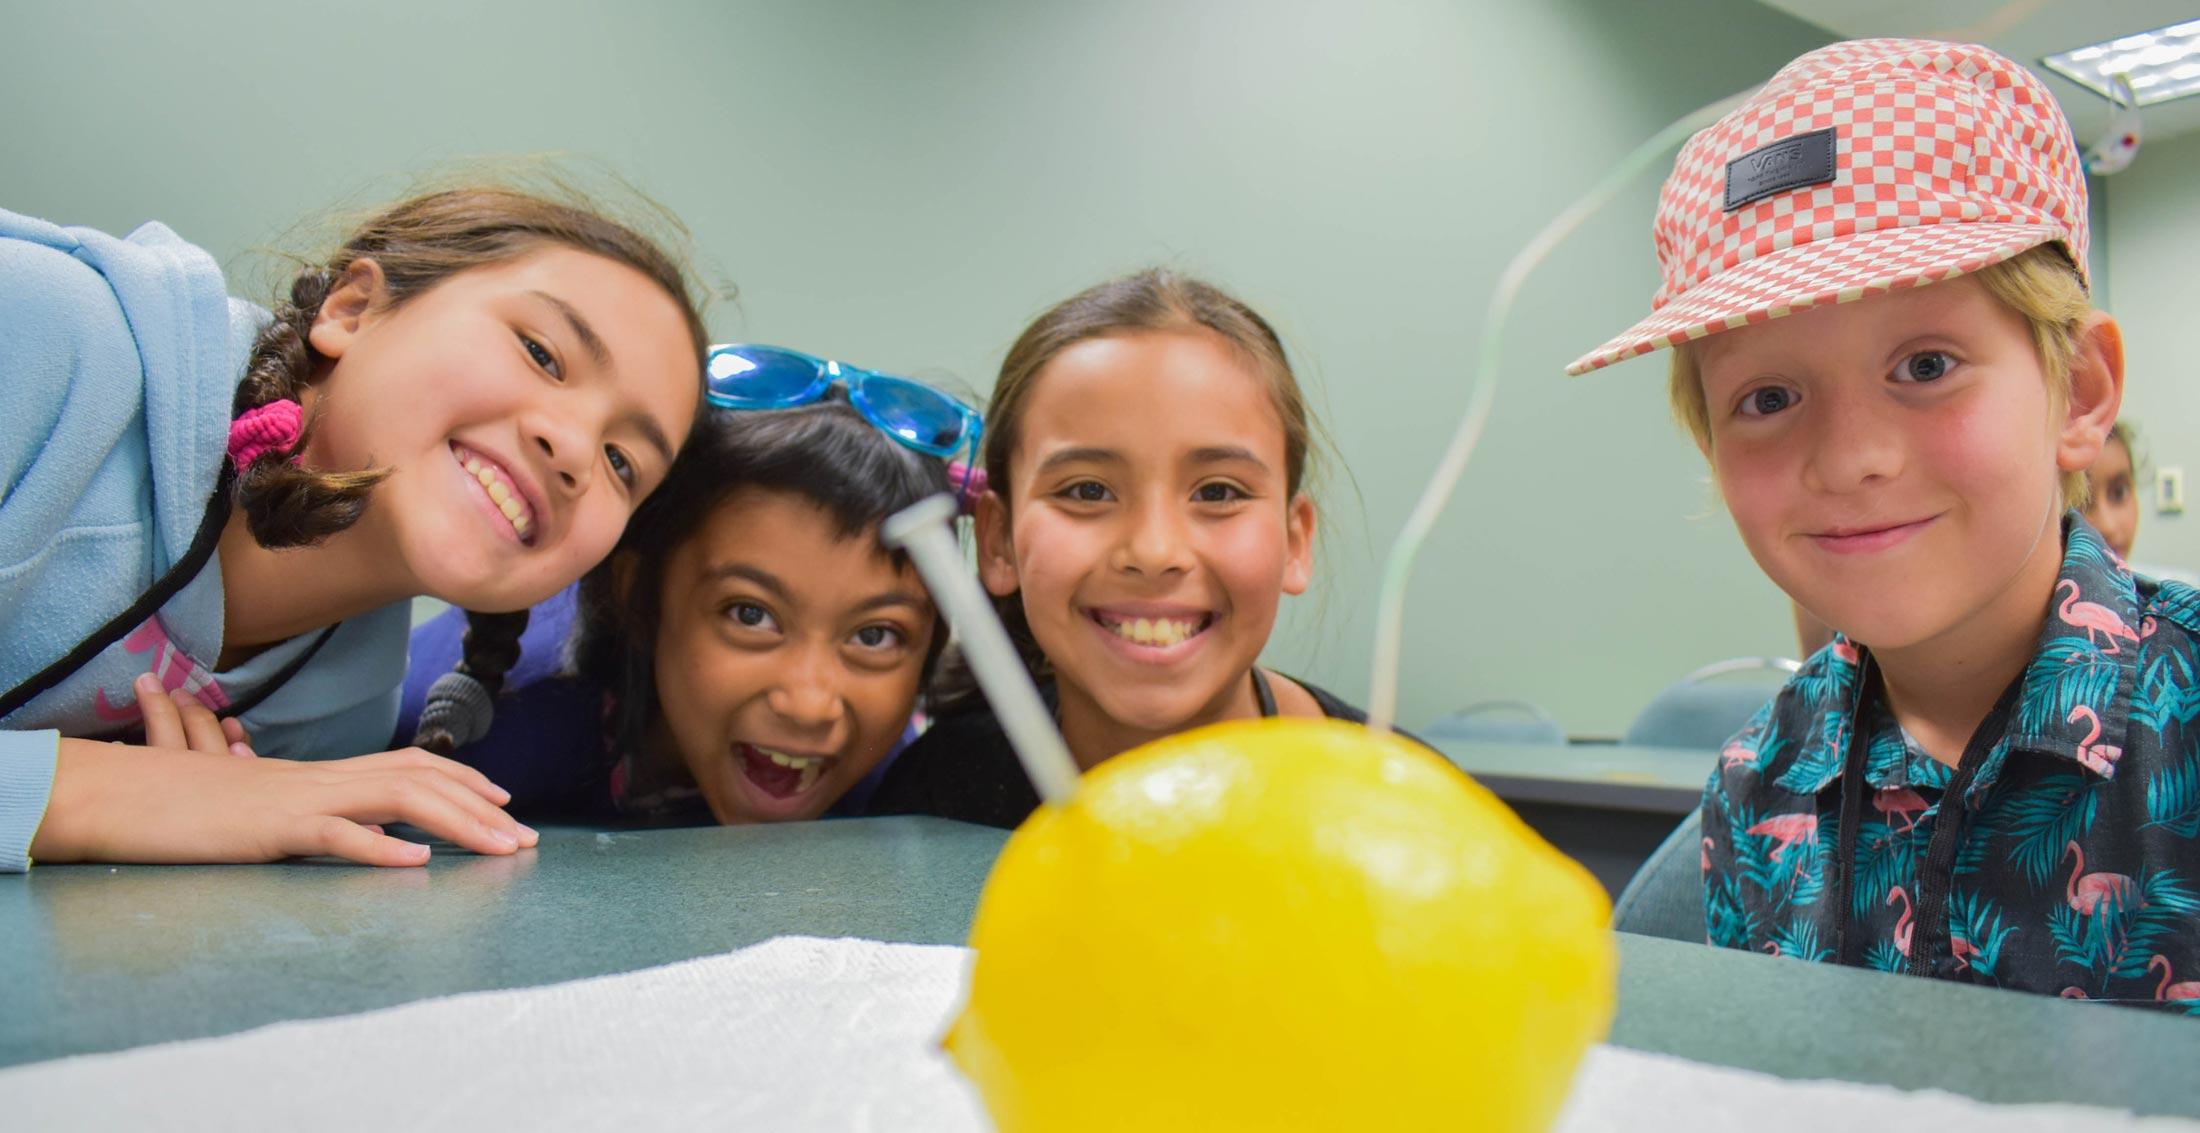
(1390, 609)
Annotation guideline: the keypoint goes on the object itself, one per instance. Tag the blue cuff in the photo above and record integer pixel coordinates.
(26, 783)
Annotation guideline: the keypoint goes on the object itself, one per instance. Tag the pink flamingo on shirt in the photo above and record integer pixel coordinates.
(1902, 926)
(2190, 989)
(2092, 617)
(2087, 890)
(1893, 801)
(1707, 857)
(1789, 829)
(1736, 755)
(2099, 757)
(1846, 652)
(1962, 949)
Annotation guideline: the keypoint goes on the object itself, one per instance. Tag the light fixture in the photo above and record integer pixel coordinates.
(2163, 63)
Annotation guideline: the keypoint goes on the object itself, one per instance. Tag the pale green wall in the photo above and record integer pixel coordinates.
(2154, 246)
(905, 184)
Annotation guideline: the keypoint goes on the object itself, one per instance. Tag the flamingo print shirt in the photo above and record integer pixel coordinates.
(2076, 866)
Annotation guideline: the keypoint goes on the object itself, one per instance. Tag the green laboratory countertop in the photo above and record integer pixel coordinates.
(100, 958)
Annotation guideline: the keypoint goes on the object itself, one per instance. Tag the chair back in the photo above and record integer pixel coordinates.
(1665, 898)
(1498, 721)
(1702, 711)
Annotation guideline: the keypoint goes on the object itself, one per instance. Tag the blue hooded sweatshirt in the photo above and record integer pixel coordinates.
(119, 360)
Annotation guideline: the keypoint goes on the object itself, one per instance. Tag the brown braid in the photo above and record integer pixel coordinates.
(285, 505)
(490, 649)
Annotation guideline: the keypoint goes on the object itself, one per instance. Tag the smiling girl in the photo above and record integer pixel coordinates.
(1147, 452)
(215, 512)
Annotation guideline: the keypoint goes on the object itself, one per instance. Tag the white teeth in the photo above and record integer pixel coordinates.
(799, 762)
(1161, 632)
(501, 494)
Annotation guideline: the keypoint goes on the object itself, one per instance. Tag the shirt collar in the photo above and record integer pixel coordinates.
(2074, 703)
(2077, 690)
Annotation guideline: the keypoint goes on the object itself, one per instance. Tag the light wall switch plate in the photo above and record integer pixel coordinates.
(2169, 491)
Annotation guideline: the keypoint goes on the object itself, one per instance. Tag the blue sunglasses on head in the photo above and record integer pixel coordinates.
(774, 377)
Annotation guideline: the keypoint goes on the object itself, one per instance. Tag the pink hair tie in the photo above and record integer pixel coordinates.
(273, 427)
(969, 481)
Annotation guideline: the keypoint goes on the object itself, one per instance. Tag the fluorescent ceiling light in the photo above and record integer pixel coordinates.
(2163, 63)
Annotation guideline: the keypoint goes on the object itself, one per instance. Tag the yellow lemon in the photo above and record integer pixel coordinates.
(1282, 924)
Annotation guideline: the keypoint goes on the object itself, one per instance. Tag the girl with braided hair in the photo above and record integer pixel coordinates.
(750, 652)
(215, 517)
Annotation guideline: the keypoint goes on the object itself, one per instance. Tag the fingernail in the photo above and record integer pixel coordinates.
(420, 852)
(146, 685)
(183, 699)
(528, 834)
(503, 838)
(241, 751)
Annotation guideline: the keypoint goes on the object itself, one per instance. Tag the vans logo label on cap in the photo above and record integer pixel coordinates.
(1783, 166)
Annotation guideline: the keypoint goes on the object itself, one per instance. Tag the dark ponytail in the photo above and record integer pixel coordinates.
(462, 703)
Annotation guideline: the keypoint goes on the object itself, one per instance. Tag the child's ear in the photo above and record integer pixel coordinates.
(2096, 393)
(1298, 563)
(996, 551)
(350, 306)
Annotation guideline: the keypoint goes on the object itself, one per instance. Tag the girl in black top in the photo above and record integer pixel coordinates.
(1146, 449)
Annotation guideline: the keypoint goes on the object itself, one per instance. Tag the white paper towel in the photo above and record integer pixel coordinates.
(796, 1033)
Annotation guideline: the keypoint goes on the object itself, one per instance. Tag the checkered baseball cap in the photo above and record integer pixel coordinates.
(1860, 168)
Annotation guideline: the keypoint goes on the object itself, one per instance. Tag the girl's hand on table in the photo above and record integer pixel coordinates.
(189, 802)
(177, 719)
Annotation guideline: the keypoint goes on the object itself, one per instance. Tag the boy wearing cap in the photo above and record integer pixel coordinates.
(1874, 285)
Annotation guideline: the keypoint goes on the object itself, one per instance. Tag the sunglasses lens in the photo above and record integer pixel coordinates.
(753, 375)
(920, 415)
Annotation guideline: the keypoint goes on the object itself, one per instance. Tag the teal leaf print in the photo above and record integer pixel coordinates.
(1982, 838)
(2163, 912)
(1885, 858)
(2168, 693)
(2065, 674)
(2072, 942)
(1819, 760)
(2058, 810)
(1728, 920)
(1883, 957)
(1977, 931)
(2173, 798)
(1799, 941)
(2126, 927)
(1780, 855)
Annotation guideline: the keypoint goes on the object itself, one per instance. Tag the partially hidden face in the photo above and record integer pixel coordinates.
(523, 409)
(2113, 507)
(1892, 463)
(1150, 529)
(788, 657)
